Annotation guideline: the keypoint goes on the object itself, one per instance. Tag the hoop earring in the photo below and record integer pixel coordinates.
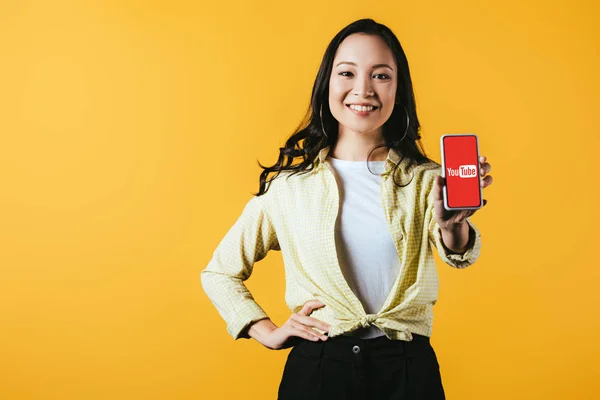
(407, 122)
(321, 120)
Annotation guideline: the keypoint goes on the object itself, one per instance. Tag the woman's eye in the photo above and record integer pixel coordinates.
(347, 72)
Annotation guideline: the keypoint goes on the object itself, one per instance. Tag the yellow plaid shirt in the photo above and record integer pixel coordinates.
(297, 217)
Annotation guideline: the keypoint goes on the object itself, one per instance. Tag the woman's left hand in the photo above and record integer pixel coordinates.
(447, 219)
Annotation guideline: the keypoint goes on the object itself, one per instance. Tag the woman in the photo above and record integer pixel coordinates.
(361, 280)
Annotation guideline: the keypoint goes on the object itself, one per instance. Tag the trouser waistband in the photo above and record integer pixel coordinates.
(353, 348)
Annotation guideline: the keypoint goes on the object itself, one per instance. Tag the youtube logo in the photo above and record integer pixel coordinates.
(463, 171)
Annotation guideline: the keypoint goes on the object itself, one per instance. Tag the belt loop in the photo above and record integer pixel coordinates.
(322, 348)
(405, 348)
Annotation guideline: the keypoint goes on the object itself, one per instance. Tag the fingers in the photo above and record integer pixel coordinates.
(310, 321)
(487, 181)
(302, 331)
(311, 305)
(485, 167)
(302, 324)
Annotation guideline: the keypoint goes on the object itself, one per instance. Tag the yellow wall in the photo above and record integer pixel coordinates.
(130, 138)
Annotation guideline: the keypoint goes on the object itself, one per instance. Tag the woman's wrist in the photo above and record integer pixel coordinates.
(456, 236)
(259, 329)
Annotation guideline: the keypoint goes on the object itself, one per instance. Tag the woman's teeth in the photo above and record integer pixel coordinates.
(361, 108)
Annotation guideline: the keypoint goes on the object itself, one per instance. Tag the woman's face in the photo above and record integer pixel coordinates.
(364, 72)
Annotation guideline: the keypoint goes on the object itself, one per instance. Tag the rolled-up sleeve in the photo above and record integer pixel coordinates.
(456, 260)
(246, 242)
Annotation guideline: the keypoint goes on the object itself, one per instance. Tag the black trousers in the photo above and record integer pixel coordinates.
(350, 368)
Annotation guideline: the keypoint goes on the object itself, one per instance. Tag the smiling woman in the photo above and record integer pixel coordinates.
(360, 272)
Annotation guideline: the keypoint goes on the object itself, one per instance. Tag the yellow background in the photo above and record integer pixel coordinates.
(130, 138)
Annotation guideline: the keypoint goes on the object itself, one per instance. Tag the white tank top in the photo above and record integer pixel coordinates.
(366, 252)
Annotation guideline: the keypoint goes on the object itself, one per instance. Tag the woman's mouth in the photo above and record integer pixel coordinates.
(362, 110)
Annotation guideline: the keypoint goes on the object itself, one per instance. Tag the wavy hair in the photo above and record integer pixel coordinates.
(308, 139)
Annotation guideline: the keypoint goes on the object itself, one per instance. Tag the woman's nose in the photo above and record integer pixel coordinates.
(363, 88)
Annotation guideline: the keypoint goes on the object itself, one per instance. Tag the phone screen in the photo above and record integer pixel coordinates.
(461, 169)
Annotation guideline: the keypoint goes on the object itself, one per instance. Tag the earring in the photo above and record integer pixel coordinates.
(407, 122)
(321, 115)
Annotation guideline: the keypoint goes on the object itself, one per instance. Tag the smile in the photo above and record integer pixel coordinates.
(362, 110)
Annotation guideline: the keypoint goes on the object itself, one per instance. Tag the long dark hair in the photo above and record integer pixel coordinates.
(310, 132)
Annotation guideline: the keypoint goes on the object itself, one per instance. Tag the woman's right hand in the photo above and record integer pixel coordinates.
(298, 325)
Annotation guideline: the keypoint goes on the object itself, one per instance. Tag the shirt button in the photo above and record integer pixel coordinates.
(356, 349)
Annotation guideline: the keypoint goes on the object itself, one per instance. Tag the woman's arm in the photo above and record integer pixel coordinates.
(299, 324)
(247, 242)
(457, 239)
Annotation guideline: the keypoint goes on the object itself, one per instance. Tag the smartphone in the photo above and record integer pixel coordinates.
(460, 167)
